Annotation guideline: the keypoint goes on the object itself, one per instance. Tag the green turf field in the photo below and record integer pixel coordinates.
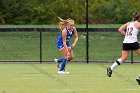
(25, 46)
(83, 78)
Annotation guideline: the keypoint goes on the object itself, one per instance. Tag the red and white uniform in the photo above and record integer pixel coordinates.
(131, 33)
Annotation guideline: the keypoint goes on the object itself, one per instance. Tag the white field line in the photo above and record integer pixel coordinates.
(68, 90)
(24, 78)
(129, 89)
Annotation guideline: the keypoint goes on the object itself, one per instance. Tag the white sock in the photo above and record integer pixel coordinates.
(138, 77)
(116, 64)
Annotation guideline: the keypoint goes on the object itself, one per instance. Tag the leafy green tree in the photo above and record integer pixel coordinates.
(123, 11)
(46, 11)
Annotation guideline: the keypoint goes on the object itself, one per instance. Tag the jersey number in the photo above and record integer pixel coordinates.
(129, 31)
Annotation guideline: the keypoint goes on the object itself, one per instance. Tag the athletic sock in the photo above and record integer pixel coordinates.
(116, 64)
(63, 64)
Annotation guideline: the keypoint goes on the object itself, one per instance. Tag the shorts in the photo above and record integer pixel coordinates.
(61, 46)
(130, 46)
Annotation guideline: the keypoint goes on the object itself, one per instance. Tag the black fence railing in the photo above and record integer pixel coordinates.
(40, 30)
(56, 29)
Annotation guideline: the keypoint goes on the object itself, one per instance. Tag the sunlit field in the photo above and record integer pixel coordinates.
(83, 78)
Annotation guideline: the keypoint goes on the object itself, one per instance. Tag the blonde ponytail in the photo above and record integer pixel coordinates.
(62, 23)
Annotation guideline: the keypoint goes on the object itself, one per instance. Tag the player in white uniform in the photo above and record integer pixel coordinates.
(130, 41)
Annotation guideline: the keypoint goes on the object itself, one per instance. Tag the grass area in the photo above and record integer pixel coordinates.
(25, 46)
(103, 46)
(19, 46)
(83, 78)
(100, 25)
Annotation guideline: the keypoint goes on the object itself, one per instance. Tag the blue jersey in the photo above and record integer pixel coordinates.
(59, 40)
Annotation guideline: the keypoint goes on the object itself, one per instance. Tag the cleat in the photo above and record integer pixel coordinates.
(57, 63)
(109, 72)
(63, 73)
(138, 80)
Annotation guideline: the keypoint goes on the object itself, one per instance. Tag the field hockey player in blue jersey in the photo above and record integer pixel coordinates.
(68, 30)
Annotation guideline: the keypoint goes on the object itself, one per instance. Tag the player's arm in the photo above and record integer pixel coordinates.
(64, 39)
(122, 29)
(139, 25)
(76, 38)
